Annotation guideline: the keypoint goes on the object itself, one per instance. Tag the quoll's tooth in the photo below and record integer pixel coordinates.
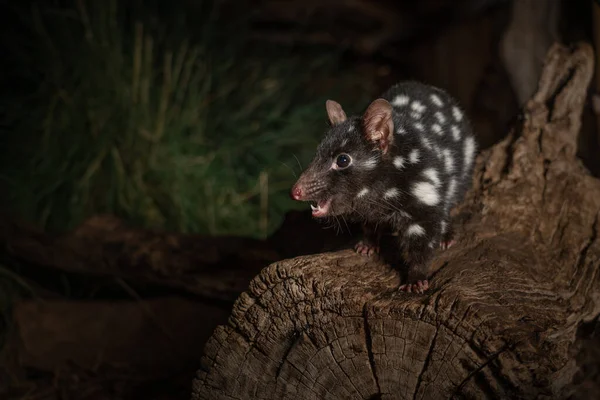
(313, 207)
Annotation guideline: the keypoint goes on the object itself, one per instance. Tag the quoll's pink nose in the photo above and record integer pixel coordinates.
(296, 192)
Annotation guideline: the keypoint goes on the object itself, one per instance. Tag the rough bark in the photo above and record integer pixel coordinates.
(505, 301)
(595, 100)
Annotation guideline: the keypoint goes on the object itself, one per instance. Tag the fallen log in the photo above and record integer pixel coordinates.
(104, 247)
(504, 305)
(215, 268)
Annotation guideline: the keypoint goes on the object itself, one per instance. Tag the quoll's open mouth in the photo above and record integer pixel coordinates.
(320, 208)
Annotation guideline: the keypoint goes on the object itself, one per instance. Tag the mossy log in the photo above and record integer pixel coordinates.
(505, 301)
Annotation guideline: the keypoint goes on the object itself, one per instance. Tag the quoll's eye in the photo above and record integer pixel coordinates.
(343, 161)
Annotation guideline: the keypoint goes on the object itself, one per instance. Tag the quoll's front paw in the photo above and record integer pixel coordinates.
(366, 249)
(417, 287)
(446, 244)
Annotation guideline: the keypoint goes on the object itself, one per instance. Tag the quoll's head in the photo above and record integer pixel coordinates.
(348, 159)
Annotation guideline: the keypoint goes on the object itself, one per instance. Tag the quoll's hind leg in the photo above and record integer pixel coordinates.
(417, 252)
(369, 244)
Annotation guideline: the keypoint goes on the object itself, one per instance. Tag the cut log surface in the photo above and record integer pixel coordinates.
(504, 302)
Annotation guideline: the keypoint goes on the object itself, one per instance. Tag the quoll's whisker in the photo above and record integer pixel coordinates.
(298, 161)
(291, 169)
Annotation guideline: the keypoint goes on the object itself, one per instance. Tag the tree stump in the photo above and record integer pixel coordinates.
(505, 301)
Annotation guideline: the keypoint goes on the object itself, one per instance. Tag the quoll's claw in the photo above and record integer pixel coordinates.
(418, 287)
(446, 244)
(366, 249)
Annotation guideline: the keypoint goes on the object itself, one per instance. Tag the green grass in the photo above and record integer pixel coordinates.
(169, 122)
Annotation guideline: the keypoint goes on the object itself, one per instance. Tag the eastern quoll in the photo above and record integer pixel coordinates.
(401, 166)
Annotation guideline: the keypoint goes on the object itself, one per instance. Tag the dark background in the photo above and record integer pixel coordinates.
(193, 118)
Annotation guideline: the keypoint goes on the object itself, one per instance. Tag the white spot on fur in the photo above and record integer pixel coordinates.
(400, 101)
(455, 133)
(426, 142)
(426, 193)
(416, 115)
(345, 142)
(469, 151)
(405, 214)
(448, 161)
(432, 175)
(414, 156)
(362, 193)
(438, 152)
(401, 130)
(436, 100)
(458, 115)
(417, 106)
(393, 192)
(415, 230)
(399, 162)
(431, 244)
(369, 163)
(351, 128)
(440, 117)
(419, 126)
(443, 226)
(451, 190)
(436, 128)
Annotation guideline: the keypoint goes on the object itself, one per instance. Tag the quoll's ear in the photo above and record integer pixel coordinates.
(335, 112)
(378, 125)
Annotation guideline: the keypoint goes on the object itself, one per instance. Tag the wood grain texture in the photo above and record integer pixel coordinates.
(505, 301)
